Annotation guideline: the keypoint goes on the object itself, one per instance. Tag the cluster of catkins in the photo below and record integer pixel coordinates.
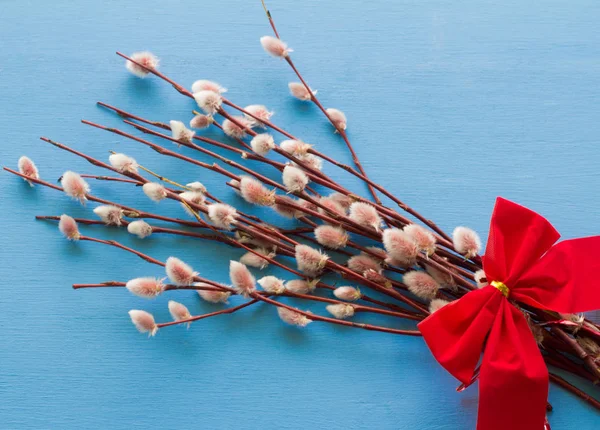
(401, 247)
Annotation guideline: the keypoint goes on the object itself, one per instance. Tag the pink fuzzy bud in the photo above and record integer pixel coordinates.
(294, 179)
(241, 278)
(147, 288)
(331, 237)
(197, 186)
(425, 239)
(28, 168)
(286, 211)
(437, 304)
(74, 186)
(253, 260)
(338, 118)
(341, 199)
(400, 246)
(332, 206)
(297, 148)
(201, 122)
(140, 228)
(262, 143)
(421, 284)
(259, 111)
(109, 214)
(341, 311)
(179, 312)
(309, 260)
(443, 278)
(365, 215)
(204, 85)
(378, 278)
(143, 321)
(155, 191)
(212, 296)
(147, 59)
(68, 227)
(180, 132)
(466, 241)
(293, 318)
(300, 286)
(271, 284)
(208, 101)
(349, 294)
(179, 272)
(312, 161)
(256, 193)
(275, 47)
(222, 215)
(480, 278)
(361, 263)
(298, 90)
(234, 130)
(123, 163)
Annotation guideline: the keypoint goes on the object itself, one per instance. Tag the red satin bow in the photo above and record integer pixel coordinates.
(513, 382)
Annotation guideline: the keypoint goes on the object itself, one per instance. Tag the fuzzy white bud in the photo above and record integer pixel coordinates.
(349, 294)
(466, 241)
(145, 60)
(155, 191)
(208, 101)
(241, 278)
(292, 317)
(140, 228)
(331, 237)
(341, 311)
(147, 288)
(275, 47)
(294, 179)
(180, 132)
(262, 143)
(271, 284)
(109, 214)
(298, 90)
(123, 163)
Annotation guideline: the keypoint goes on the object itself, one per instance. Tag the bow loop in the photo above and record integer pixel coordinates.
(456, 333)
(518, 238)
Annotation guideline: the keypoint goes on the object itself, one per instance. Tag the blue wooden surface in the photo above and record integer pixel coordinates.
(449, 104)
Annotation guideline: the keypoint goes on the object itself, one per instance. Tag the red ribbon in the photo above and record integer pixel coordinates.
(513, 381)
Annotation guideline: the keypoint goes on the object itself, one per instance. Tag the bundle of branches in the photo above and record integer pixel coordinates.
(406, 266)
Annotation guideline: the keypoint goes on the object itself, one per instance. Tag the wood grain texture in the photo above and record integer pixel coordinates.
(450, 104)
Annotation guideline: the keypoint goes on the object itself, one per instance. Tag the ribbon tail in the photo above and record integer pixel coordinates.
(513, 385)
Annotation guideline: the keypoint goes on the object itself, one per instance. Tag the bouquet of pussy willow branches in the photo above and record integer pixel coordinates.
(391, 261)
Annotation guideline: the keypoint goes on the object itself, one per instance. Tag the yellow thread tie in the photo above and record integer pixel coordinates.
(500, 286)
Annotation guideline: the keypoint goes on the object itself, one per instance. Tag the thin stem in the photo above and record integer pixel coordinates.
(315, 317)
(151, 260)
(212, 314)
(574, 390)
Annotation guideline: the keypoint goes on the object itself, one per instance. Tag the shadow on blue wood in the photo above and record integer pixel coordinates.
(449, 105)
